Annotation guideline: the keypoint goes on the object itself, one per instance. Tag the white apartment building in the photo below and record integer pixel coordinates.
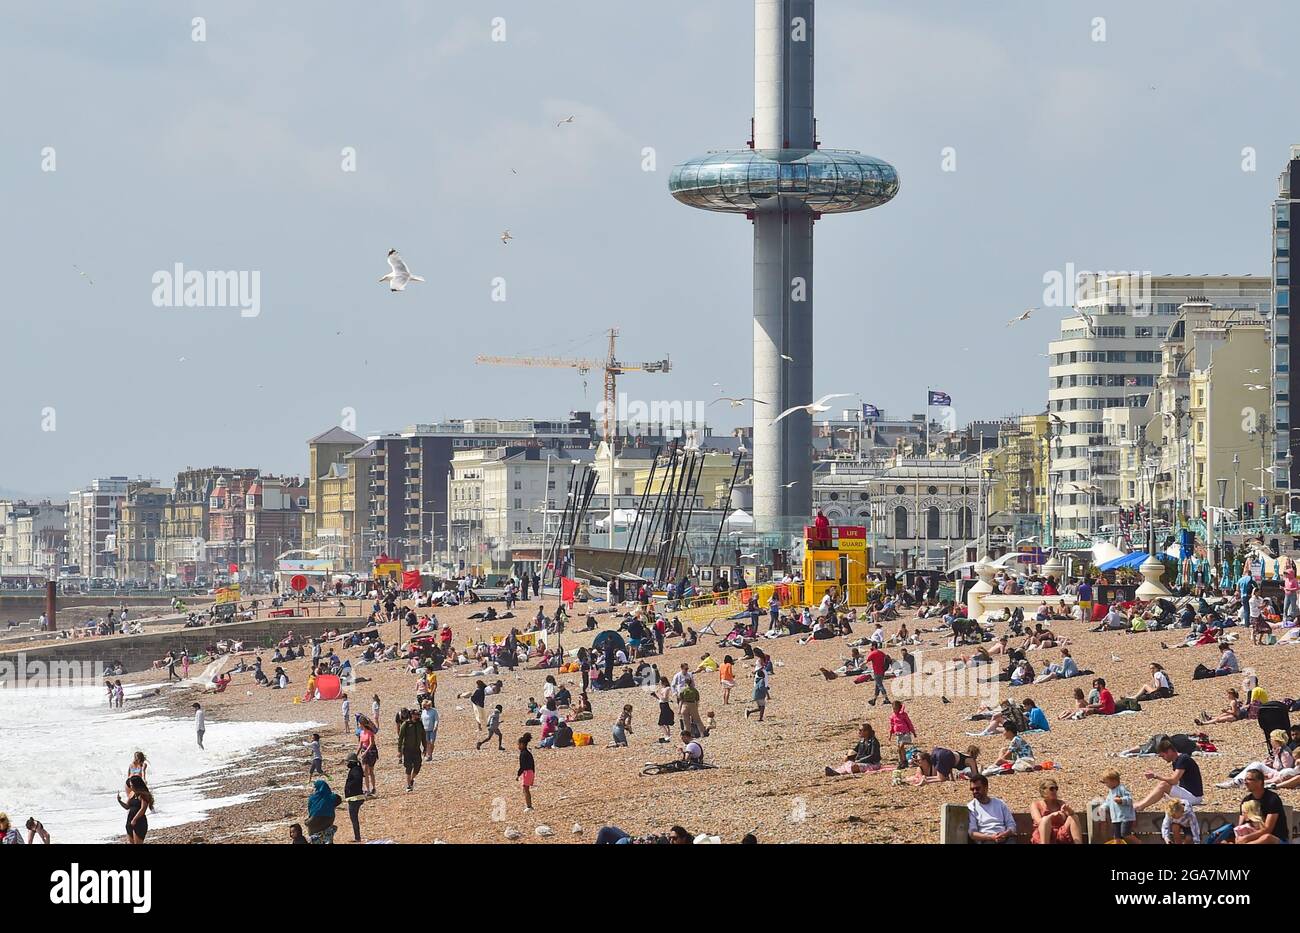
(1113, 362)
(93, 514)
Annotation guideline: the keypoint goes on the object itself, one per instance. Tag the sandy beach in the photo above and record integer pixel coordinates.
(768, 777)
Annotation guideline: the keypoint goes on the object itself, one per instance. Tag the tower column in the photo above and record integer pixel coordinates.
(783, 252)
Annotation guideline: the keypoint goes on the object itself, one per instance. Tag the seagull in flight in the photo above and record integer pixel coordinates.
(737, 402)
(1254, 386)
(398, 278)
(1024, 316)
(812, 407)
(789, 359)
(1089, 321)
(1253, 372)
(569, 119)
(749, 557)
(789, 484)
(83, 274)
(506, 237)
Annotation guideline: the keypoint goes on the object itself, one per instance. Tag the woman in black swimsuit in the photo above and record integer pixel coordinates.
(138, 801)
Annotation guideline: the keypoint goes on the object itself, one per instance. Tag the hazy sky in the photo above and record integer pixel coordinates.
(226, 155)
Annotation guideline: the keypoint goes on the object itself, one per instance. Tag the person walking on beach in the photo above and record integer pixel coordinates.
(760, 685)
(410, 745)
(493, 728)
(374, 709)
(317, 765)
(478, 700)
(727, 678)
(185, 664)
(354, 794)
(901, 731)
(171, 667)
(138, 801)
(622, 727)
(139, 767)
(368, 753)
(347, 714)
(199, 726)
(527, 774)
(119, 694)
(429, 720)
(663, 693)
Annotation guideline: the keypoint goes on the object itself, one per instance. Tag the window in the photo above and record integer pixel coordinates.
(1143, 331)
(932, 489)
(1283, 271)
(900, 521)
(899, 490)
(963, 522)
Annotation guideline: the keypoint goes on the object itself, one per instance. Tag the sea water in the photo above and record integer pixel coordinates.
(64, 754)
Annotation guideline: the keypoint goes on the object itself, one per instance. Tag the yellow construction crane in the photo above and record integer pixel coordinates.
(611, 367)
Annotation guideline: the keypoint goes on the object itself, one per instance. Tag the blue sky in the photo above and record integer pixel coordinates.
(225, 155)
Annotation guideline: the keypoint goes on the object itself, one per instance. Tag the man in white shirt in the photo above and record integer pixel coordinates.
(991, 820)
(692, 751)
(682, 678)
(198, 723)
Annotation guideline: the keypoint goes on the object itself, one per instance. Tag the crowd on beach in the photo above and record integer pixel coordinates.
(738, 645)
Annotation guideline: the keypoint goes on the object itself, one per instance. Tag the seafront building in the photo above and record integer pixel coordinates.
(1114, 363)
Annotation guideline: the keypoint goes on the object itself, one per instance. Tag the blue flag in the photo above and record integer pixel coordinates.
(940, 398)
(870, 411)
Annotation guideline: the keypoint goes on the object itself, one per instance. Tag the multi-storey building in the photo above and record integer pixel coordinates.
(409, 470)
(93, 514)
(32, 539)
(138, 531)
(1111, 359)
(338, 483)
(1285, 381)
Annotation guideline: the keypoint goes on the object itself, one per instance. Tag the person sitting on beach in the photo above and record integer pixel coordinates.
(1159, 688)
(1233, 712)
(1182, 782)
(1228, 663)
(1180, 825)
(865, 756)
(1279, 766)
(1017, 748)
(1055, 823)
(991, 820)
(1035, 718)
(1104, 704)
(1066, 669)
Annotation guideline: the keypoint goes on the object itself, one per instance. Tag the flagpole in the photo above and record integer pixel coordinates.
(927, 422)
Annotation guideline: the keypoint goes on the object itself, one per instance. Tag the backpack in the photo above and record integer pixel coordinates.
(1127, 704)
(1201, 672)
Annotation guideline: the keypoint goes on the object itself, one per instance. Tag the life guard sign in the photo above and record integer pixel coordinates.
(849, 537)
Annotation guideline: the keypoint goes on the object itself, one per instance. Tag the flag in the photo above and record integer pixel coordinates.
(870, 411)
(411, 580)
(568, 590)
(940, 398)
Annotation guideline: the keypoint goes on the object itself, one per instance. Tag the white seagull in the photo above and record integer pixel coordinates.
(83, 274)
(398, 278)
(568, 119)
(787, 358)
(749, 557)
(1024, 316)
(812, 407)
(1254, 387)
(792, 482)
(737, 402)
(1089, 321)
(506, 237)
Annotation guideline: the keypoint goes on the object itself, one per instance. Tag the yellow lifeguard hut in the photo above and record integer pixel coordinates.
(838, 563)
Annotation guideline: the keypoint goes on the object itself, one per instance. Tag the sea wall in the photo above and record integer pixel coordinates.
(138, 652)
